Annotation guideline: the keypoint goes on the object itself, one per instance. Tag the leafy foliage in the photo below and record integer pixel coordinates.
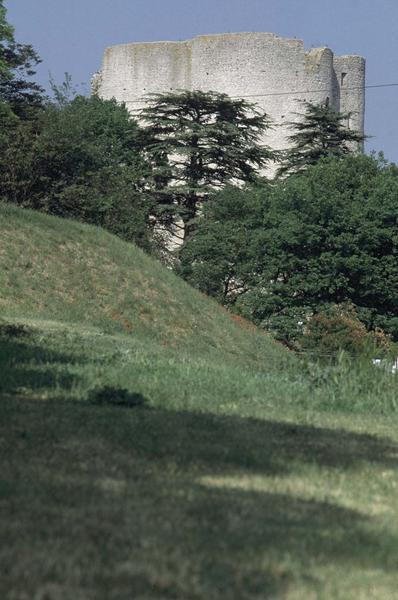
(198, 142)
(17, 65)
(6, 37)
(319, 133)
(80, 159)
(219, 258)
(339, 329)
(328, 236)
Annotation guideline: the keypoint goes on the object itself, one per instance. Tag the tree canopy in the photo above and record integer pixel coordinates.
(320, 132)
(81, 159)
(328, 236)
(19, 95)
(198, 142)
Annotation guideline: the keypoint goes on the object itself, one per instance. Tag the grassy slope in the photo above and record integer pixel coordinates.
(240, 481)
(56, 269)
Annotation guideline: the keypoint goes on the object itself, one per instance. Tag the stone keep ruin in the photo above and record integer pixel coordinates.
(273, 72)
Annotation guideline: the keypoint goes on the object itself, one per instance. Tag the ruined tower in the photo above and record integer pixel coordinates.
(273, 72)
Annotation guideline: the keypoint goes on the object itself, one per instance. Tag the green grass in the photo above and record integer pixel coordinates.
(245, 474)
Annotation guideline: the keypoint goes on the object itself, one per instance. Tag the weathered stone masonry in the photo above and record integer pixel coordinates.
(249, 65)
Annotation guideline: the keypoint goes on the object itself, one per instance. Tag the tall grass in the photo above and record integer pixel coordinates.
(42, 359)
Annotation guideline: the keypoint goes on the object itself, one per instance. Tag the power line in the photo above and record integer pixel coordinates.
(293, 92)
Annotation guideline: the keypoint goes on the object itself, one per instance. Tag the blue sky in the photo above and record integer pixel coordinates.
(71, 35)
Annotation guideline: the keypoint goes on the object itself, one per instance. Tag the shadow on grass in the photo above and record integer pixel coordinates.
(225, 443)
(30, 366)
(119, 501)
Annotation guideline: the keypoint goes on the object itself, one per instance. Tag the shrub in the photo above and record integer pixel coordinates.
(338, 329)
(109, 395)
(12, 330)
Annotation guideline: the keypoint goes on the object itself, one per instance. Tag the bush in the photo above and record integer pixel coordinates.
(116, 397)
(12, 330)
(339, 329)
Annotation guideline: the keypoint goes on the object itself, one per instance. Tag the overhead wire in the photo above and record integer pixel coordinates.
(291, 92)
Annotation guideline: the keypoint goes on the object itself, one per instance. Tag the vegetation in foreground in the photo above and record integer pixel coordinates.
(151, 446)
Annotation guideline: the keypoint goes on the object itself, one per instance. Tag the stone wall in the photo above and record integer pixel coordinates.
(273, 72)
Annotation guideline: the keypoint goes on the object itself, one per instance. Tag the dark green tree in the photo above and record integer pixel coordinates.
(326, 237)
(18, 92)
(6, 37)
(81, 160)
(7, 117)
(219, 258)
(320, 132)
(198, 142)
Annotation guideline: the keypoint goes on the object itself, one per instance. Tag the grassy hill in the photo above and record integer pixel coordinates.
(153, 446)
(87, 293)
(58, 269)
